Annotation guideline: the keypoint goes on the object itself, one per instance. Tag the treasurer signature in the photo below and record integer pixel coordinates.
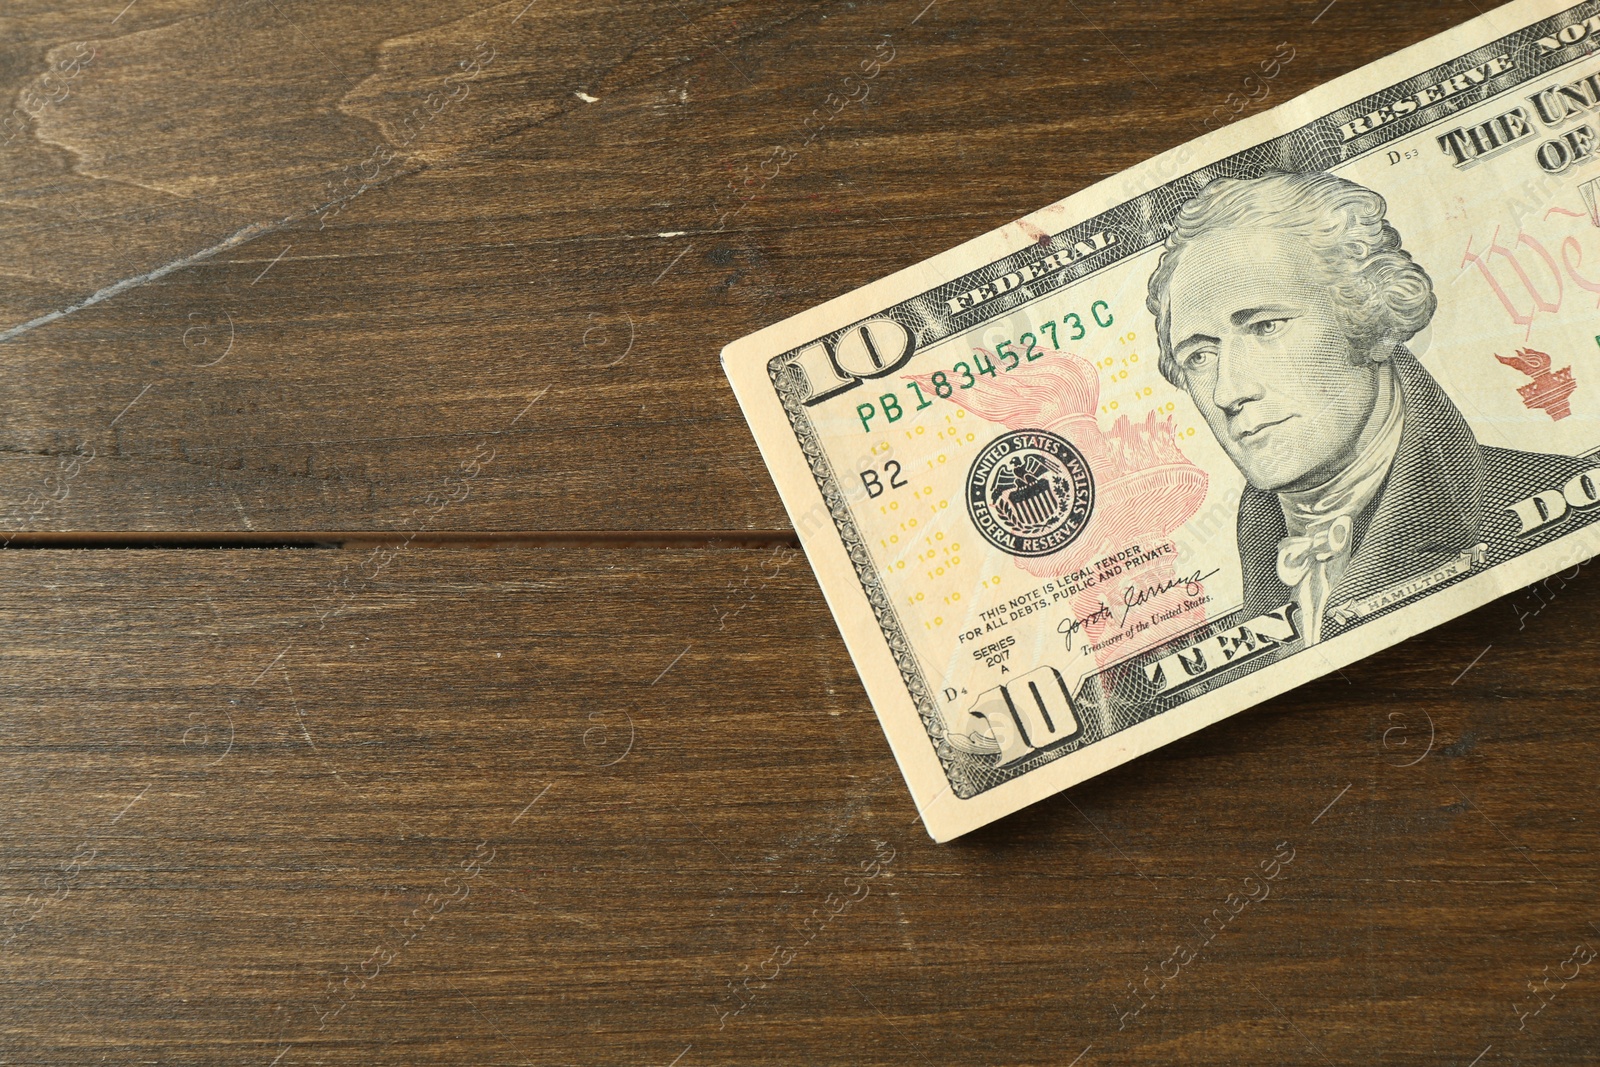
(1132, 597)
(1073, 623)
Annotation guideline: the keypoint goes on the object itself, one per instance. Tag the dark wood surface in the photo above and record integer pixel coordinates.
(584, 767)
(514, 242)
(229, 804)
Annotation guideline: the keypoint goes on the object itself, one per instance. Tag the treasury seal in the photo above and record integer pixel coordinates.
(1030, 493)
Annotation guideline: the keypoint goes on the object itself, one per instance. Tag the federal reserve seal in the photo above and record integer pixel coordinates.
(1030, 493)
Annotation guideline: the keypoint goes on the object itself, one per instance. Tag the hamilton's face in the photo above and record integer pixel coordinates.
(1260, 349)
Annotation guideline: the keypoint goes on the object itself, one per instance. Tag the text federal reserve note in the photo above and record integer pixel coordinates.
(1251, 411)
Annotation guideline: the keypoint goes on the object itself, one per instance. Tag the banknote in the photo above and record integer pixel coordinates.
(1238, 417)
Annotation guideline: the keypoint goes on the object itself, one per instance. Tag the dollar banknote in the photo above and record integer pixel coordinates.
(1248, 412)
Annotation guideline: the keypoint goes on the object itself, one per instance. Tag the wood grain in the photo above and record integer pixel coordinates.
(567, 778)
(667, 785)
(229, 164)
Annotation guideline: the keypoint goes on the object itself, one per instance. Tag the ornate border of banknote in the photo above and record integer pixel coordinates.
(1133, 692)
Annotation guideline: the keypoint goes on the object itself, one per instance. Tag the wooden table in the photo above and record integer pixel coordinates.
(409, 661)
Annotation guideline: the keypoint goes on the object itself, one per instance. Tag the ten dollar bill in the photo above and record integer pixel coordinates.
(1253, 410)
